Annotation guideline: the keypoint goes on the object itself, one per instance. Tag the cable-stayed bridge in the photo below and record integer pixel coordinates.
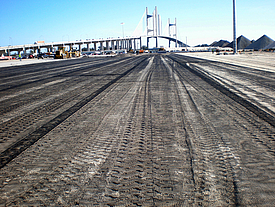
(149, 28)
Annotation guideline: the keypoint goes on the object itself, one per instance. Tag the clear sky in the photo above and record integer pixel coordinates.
(201, 21)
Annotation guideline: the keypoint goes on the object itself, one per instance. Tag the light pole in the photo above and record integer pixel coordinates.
(234, 28)
(10, 41)
(122, 29)
(10, 44)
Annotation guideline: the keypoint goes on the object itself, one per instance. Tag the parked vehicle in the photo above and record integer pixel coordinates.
(42, 56)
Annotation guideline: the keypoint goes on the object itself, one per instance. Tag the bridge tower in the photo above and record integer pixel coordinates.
(174, 31)
(155, 28)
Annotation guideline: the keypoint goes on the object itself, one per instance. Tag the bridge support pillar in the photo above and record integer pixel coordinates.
(147, 42)
(132, 44)
(156, 42)
(113, 45)
(80, 49)
(107, 45)
(7, 52)
(94, 46)
(88, 47)
(101, 46)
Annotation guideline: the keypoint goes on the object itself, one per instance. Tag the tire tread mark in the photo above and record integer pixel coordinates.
(57, 75)
(20, 146)
(200, 181)
(248, 105)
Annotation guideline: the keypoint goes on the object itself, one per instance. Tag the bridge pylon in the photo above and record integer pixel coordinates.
(155, 28)
(174, 34)
(150, 27)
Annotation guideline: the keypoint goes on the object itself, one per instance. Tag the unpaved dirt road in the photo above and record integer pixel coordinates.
(151, 130)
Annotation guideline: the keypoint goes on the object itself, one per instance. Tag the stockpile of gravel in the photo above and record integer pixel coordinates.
(242, 42)
(270, 46)
(260, 43)
(221, 43)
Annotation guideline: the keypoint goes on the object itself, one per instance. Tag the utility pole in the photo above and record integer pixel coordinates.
(186, 44)
(176, 32)
(234, 28)
(169, 34)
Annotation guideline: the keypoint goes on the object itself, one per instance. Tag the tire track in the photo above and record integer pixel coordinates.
(158, 136)
(243, 139)
(30, 139)
(52, 73)
(42, 107)
(210, 160)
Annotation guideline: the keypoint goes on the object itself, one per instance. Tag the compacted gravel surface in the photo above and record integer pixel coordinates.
(149, 130)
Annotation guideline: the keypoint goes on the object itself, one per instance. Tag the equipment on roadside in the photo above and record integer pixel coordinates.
(62, 54)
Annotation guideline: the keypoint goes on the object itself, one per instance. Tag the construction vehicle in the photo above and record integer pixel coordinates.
(73, 54)
(61, 53)
(161, 50)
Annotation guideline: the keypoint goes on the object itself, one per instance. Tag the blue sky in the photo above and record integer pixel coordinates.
(201, 21)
